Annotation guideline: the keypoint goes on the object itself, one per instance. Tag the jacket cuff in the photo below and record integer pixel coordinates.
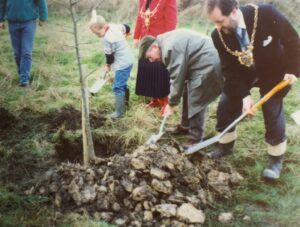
(109, 58)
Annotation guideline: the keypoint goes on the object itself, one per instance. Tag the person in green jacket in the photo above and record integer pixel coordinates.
(21, 16)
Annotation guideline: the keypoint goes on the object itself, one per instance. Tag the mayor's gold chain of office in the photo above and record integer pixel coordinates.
(245, 57)
(148, 14)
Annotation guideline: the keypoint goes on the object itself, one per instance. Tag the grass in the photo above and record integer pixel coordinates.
(28, 148)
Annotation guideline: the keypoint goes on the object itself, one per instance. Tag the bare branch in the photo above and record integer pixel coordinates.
(63, 4)
(63, 31)
(90, 73)
(70, 46)
(87, 43)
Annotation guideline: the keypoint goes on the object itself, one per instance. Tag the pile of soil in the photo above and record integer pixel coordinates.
(153, 186)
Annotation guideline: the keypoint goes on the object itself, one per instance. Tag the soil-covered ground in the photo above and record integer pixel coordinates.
(147, 186)
(153, 186)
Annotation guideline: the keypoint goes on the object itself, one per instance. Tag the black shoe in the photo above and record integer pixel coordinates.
(222, 150)
(178, 130)
(25, 85)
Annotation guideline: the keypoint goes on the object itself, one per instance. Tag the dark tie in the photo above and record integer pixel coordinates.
(242, 36)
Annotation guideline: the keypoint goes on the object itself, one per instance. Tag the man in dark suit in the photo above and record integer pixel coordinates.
(258, 47)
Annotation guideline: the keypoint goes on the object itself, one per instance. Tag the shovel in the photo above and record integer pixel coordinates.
(155, 137)
(296, 117)
(216, 138)
(99, 83)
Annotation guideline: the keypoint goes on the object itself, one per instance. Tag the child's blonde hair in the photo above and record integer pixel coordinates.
(97, 20)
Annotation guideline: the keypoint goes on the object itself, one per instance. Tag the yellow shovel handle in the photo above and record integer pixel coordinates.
(267, 96)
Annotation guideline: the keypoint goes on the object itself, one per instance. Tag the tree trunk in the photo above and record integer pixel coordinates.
(88, 146)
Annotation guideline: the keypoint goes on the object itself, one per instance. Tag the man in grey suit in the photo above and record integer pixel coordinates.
(194, 68)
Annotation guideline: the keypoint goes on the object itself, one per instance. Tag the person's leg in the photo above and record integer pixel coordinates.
(183, 127)
(197, 123)
(275, 136)
(196, 129)
(119, 88)
(185, 111)
(163, 102)
(28, 34)
(16, 38)
(228, 110)
(127, 97)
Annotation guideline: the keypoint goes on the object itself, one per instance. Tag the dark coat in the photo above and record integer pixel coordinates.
(276, 52)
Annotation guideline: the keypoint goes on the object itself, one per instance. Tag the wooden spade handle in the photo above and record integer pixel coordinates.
(267, 96)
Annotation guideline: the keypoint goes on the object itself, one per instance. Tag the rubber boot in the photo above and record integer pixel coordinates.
(153, 103)
(222, 150)
(163, 102)
(127, 96)
(119, 107)
(272, 172)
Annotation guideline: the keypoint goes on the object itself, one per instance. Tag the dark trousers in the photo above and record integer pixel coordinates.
(230, 108)
(195, 123)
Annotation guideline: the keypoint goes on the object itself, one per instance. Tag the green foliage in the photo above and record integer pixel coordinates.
(12, 204)
(95, 60)
(76, 220)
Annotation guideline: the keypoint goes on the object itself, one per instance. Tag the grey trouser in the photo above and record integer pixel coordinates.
(196, 122)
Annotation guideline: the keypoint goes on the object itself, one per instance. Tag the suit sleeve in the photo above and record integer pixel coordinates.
(138, 24)
(289, 38)
(177, 67)
(170, 15)
(2, 10)
(234, 86)
(43, 10)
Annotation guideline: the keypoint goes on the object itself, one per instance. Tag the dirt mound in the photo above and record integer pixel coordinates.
(153, 186)
(7, 119)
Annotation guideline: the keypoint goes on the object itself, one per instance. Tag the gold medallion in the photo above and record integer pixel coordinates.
(147, 17)
(244, 57)
(148, 14)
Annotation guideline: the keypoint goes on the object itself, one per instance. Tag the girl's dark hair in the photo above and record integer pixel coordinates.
(226, 6)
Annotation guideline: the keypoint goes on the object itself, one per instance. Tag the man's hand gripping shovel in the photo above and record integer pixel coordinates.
(265, 98)
(155, 137)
